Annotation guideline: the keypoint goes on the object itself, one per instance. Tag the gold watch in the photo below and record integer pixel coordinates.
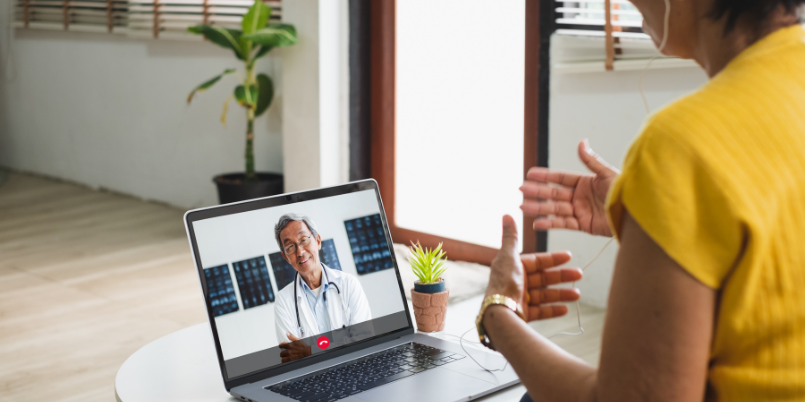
(491, 300)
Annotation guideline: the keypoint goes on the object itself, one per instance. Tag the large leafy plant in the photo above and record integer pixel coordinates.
(428, 265)
(254, 41)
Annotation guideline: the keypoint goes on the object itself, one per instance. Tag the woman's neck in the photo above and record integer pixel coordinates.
(715, 50)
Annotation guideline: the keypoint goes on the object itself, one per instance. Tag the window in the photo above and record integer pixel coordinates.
(141, 18)
(459, 117)
(464, 138)
(71, 15)
(584, 42)
(587, 18)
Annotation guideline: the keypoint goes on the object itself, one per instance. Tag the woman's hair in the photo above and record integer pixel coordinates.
(757, 9)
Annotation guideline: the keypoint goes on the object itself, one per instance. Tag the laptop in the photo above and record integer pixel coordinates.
(353, 337)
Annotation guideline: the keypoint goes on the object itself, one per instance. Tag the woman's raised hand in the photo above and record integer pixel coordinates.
(575, 201)
(527, 277)
(539, 276)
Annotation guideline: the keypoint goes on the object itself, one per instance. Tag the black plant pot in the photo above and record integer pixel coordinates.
(430, 287)
(233, 187)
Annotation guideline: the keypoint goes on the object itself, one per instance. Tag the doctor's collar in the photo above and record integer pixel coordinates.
(325, 278)
(307, 288)
(324, 283)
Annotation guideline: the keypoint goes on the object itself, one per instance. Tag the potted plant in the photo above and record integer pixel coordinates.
(254, 93)
(429, 295)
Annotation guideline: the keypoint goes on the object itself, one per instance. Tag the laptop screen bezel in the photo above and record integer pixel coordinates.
(274, 201)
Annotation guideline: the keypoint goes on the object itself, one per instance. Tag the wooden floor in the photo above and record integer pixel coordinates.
(87, 278)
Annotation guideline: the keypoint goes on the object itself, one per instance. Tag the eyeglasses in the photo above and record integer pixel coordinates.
(291, 248)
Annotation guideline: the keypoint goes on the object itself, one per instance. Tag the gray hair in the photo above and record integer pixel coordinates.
(287, 219)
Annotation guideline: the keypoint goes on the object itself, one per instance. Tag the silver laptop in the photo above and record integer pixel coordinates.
(305, 303)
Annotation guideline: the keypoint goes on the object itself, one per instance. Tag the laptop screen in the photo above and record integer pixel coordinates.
(287, 282)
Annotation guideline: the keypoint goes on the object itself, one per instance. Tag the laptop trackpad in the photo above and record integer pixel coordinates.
(436, 385)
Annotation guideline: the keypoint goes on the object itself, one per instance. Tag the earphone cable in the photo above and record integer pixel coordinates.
(578, 320)
(461, 342)
(666, 22)
(578, 307)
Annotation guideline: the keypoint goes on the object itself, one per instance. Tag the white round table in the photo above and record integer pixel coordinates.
(183, 366)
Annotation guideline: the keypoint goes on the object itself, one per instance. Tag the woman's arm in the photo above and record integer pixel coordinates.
(658, 328)
(656, 339)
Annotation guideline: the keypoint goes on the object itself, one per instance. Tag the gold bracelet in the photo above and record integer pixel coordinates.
(489, 301)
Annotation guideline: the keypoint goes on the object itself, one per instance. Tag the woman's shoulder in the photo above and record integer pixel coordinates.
(669, 134)
(760, 88)
(722, 122)
(704, 111)
(696, 125)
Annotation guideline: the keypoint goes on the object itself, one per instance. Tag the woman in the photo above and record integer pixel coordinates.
(706, 299)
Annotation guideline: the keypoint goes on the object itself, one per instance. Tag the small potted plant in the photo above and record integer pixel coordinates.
(429, 295)
(255, 93)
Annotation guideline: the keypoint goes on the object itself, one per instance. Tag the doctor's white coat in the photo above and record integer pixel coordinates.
(355, 311)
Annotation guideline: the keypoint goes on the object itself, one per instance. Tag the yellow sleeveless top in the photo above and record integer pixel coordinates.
(717, 179)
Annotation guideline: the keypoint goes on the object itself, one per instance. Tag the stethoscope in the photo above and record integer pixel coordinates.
(296, 300)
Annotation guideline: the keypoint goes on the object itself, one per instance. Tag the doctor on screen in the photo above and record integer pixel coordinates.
(319, 299)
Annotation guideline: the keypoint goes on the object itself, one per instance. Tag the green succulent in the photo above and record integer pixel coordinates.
(256, 38)
(428, 265)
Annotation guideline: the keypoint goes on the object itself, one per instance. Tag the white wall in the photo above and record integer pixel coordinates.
(247, 235)
(315, 116)
(606, 108)
(110, 111)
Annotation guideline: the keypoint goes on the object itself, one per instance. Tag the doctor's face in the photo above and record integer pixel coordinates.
(300, 247)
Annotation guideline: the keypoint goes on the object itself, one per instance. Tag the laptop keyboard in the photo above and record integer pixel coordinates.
(356, 376)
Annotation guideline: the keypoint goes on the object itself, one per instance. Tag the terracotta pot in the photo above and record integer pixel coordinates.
(430, 309)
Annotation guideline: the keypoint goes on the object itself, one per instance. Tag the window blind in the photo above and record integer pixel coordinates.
(171, 18)
(72, 15)
(151, 18)
(589, 18)
(595, 31)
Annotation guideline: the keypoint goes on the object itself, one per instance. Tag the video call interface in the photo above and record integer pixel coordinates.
(250, 283)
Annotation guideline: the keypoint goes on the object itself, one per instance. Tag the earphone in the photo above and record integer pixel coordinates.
(578, 319)
(663, 42)
(578, 308)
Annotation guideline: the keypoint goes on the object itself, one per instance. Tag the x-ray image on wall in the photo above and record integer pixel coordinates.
(328, 255)
(368, 243)
(253, 281)
(284, 272)
(221, 290)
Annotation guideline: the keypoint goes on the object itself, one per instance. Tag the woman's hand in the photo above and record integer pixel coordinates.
(577, 203)
(515, 276)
